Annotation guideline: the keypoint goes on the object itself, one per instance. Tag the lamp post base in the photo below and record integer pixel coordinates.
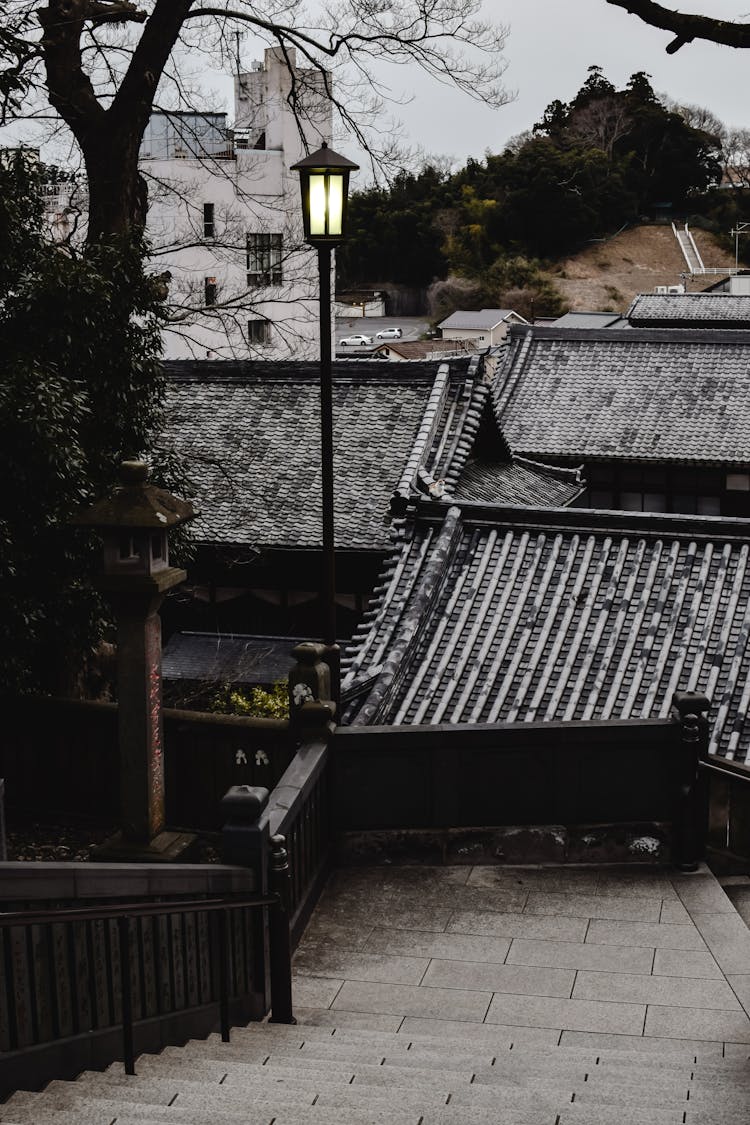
(167, 847)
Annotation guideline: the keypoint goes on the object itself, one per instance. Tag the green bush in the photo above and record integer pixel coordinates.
(256, 703)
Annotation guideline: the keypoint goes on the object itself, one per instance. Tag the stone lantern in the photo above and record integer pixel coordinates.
(134, 524)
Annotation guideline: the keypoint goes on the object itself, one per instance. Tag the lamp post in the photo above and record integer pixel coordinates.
(324, 183)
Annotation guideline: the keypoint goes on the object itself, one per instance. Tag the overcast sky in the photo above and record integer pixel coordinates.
(551, 44)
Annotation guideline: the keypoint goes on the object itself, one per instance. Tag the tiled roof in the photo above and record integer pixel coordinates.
(518, 482)
(499, 616)
(421, 349)
(710, 310)
(650, 395)
(251, 438)
(227, 658)
(251, 434)
(589, 320)
(479, 318)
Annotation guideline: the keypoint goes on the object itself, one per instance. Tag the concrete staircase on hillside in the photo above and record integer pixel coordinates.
(305, 1074)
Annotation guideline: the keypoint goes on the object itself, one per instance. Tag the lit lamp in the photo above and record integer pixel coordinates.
(324, 182)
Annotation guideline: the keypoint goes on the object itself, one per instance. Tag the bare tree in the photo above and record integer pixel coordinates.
(736, 157)
(600, 123)
(686, 27)
(696, 116)
(98, 65)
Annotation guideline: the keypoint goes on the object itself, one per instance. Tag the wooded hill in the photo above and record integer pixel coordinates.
(495, 232)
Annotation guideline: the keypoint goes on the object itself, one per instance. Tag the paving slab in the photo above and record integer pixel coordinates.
(410, 1000)
(657, 935)
(319, 960)
(687, 992)
(573, 1015)
(728, 938)
(499, 978)
(616, 907)
(311, 1017)
(536, 878)
(500, 924)
(673, 911)
(451, 946)
(315, 992)
(577, 955)
(697, 1023)
(685, 963)
(700, 892)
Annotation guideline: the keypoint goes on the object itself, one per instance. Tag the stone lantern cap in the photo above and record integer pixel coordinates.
(136, 504)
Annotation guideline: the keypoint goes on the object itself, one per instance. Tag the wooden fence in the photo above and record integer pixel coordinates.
(59, 757)
(62, 989)
(434, 778)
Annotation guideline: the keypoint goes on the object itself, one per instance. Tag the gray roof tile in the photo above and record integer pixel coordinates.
(709, 310)
(495, 616)
(645, 394)
(250, 435)
(227, 658)
(478, 318)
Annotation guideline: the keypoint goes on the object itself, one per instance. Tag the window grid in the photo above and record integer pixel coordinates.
(264, 259)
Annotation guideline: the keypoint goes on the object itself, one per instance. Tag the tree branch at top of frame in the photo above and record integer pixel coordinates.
(686, 27)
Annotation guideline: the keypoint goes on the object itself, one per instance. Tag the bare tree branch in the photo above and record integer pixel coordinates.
(686, 27)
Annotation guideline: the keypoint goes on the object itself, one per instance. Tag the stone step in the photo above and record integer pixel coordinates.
(644, 1052)
(426, 1056)
(355, 1057)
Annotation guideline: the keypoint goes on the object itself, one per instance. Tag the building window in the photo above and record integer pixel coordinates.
(258, 331)
(209, 227)
(264, 259)
(738, 482)
(209, 290)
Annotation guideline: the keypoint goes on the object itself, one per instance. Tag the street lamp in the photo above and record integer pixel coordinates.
(324, 182)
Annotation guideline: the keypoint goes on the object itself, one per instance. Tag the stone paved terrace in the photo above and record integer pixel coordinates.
(472, 996)
(610, 957)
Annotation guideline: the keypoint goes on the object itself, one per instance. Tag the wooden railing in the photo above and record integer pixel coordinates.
(297, 816)
(84, 985)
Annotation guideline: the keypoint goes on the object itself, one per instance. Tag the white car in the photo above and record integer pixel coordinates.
(355, 341)
(389, 334)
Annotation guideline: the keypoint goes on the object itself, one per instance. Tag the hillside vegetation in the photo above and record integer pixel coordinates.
(526, 227)
(608, 274)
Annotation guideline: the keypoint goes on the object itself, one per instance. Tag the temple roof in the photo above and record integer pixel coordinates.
(647, 395)
(513, 615)
(250, 434)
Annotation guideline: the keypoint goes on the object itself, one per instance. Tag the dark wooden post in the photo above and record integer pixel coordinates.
(691, 813)
(244, 841)
(281, 939)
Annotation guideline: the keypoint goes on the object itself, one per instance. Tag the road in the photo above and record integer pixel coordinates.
(412, 328)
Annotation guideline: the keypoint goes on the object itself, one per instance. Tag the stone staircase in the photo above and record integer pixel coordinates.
(472, 996)
(272, 1074)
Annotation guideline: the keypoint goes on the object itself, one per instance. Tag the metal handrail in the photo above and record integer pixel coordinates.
(124, 912)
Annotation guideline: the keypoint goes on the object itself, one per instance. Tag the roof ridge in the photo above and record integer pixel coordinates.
(466, 437)
(426, 431)
(561, 472)
(508, 374)
(412, 618)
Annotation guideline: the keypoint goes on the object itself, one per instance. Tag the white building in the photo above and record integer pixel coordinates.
(483, 327)
(224, 218)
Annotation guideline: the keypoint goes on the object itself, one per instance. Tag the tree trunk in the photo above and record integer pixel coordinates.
(117, 191)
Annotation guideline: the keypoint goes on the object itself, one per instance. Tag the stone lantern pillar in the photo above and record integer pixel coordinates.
(134, 523)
